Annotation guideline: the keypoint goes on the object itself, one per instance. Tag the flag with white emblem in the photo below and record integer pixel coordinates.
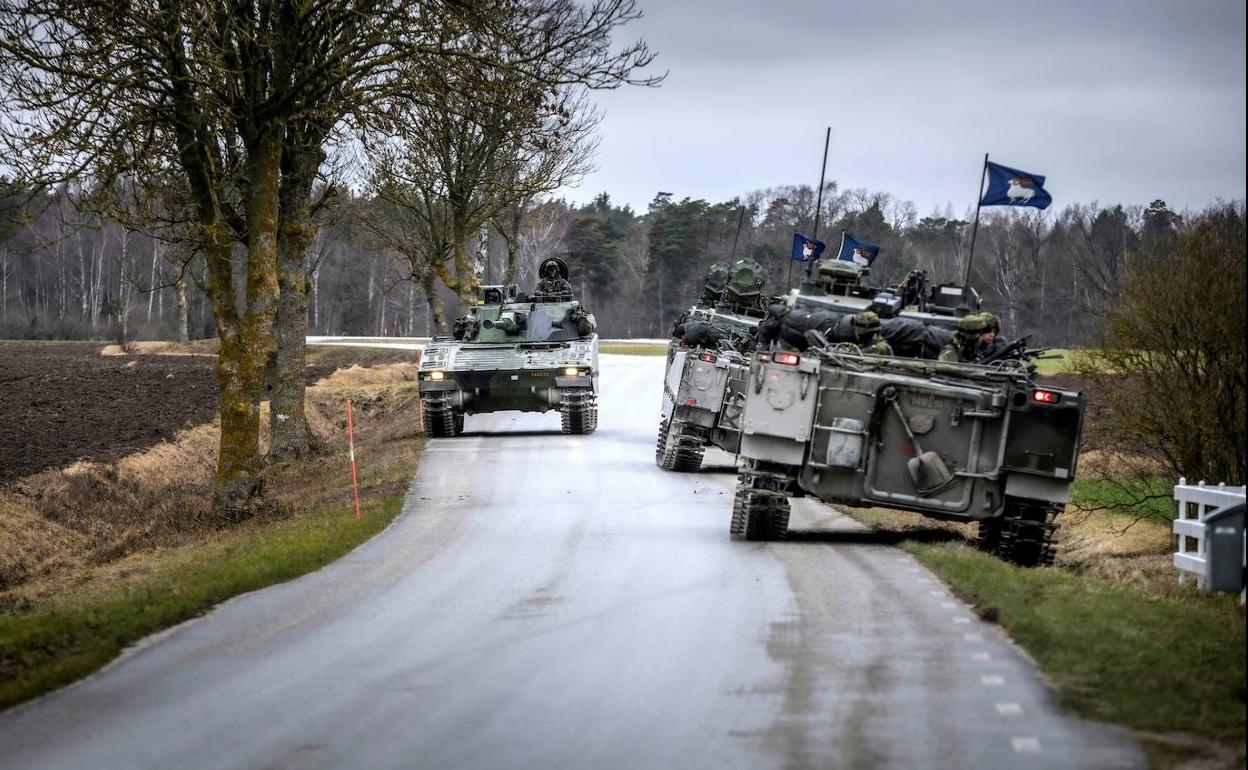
(1011, 187)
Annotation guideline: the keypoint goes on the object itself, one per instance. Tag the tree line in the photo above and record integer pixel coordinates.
(68, 272)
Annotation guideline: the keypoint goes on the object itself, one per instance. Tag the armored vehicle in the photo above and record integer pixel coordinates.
(703, 388)
(515, 352)
(952, 441)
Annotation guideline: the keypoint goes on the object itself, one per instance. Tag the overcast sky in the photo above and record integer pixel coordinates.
(1112, 101)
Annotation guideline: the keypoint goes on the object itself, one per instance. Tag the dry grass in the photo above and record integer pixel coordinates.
(87, 521)
(163, 348)
(91, 513)
(1116, 464)
(1125, 550)
(1095, 544)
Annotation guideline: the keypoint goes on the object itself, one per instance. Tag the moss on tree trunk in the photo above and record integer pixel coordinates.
(288, 422)
(245, 354)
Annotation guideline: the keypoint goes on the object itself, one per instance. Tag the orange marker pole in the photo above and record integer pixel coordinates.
(355, 487)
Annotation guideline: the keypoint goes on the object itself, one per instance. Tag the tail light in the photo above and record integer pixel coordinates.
(710, 358)
(1045, 396)
(788, 359)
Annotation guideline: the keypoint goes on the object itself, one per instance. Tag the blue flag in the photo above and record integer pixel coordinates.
(858, 252)
(806, 249)
(1011, 187)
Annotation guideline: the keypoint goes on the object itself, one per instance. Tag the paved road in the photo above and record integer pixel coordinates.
(548, 601)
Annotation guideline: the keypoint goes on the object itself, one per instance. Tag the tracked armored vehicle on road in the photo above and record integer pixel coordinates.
(703, 387)
(960, 442)
(514, 352)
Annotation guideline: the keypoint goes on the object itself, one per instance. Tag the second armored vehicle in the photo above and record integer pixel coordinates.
(703, 388)
(515, 352)
(961, 442)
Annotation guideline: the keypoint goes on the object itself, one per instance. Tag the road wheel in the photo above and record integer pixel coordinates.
(578, 411)
(1027, 530)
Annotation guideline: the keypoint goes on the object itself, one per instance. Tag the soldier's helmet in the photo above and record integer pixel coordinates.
(866, 324)
(552, 267)
(992, 323)
(714, 282)
(971, 326)
(745, 284)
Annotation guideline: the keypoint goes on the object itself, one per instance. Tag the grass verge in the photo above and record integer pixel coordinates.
(68, 639)
(1055, 361)
(1112, 651)
(634, 350)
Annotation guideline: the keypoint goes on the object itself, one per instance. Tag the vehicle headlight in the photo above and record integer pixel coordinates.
(436, 375)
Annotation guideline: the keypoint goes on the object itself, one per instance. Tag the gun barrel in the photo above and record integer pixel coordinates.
(506, 321)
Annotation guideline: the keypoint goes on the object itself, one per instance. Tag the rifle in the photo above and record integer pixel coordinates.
(1016, 349)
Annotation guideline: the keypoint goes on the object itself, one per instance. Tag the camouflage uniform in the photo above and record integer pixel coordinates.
(964, 347)
(552, 284)
(867, 330)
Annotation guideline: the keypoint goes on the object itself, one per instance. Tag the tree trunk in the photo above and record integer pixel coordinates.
(512, 238)
(465, 283)
(244, 357)
(289, 433)
(436, 310)
(179, 289)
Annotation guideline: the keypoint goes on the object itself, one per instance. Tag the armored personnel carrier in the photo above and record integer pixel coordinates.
(703, 388)
(515, 352)
(952, 441)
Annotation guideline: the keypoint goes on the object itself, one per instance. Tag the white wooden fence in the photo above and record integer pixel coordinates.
(1196, 502)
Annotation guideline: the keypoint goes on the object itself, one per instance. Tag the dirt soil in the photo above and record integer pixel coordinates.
(65, 402)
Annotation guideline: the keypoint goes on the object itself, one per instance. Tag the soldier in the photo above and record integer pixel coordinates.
(995, 343)
(554, 281)
(867, 330)
(967, 345)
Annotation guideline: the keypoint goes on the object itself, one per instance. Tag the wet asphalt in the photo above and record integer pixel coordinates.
(549, 601)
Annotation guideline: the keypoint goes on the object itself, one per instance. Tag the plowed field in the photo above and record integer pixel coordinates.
(61, 402)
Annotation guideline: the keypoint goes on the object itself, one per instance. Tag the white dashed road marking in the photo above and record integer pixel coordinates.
(1009, 709)
(1026, 745)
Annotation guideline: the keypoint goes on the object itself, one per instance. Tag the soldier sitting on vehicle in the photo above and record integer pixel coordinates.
(554, 285)
(969, 342)
(866, 327)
